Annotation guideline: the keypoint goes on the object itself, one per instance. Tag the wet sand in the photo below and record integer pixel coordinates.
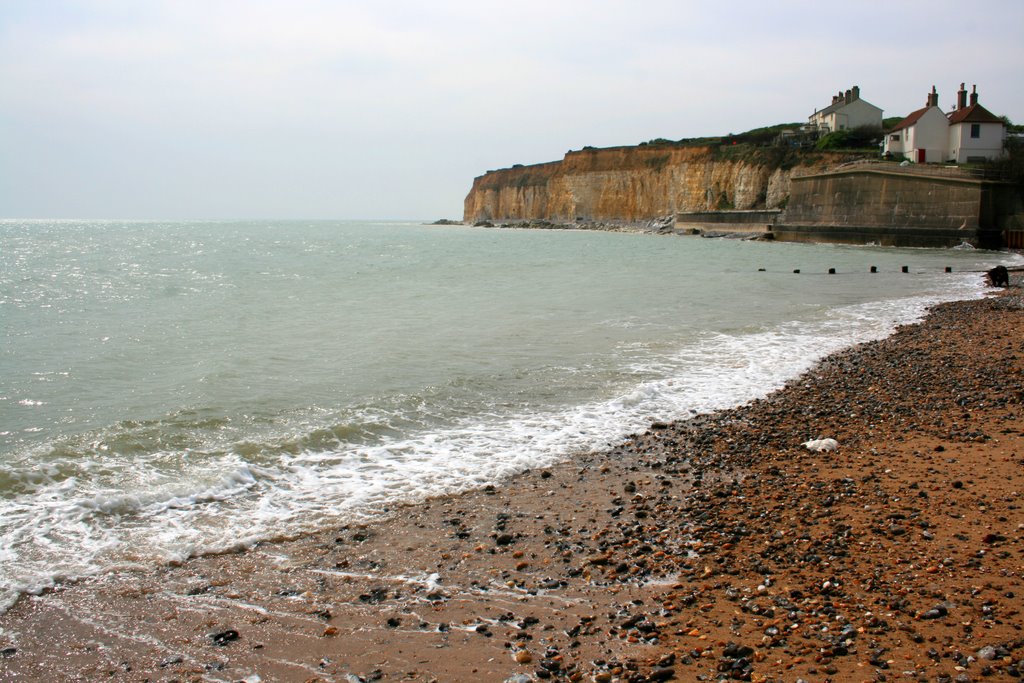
(718, 548)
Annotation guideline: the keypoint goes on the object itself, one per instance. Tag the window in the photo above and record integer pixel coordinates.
(975, 130)
(894, 138)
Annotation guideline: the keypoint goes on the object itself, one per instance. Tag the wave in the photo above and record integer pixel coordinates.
(85, 508)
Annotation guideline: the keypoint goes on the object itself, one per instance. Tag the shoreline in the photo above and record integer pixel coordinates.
(664, 225)
(716, 547)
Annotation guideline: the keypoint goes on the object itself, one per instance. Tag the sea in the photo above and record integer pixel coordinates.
(169, 389)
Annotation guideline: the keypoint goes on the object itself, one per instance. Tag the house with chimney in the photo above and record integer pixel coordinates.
(975, 133)
(969, 133)
(923, 136)
(847, 111)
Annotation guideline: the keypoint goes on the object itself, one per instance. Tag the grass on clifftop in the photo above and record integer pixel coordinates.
(757, 136)
(762, 146)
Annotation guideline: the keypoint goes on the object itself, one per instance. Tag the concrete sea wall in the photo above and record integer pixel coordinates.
(898, 207)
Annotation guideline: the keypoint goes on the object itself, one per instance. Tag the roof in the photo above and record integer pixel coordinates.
(910, 120)
(832, 107)
(836, 106)
(973, 114)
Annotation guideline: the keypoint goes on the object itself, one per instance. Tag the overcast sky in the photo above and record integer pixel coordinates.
(388, 109)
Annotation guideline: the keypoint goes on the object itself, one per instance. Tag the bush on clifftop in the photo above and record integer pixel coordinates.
(773, 157)
(865, 137)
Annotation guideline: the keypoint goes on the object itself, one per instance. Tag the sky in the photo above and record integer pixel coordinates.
(385, 109)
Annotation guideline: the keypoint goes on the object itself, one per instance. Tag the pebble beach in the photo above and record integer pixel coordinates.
(719, 548)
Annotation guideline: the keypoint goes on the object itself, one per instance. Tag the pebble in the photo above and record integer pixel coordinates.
(224, 637)
(937, 612)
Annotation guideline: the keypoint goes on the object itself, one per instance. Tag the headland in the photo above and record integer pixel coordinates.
(769, 192)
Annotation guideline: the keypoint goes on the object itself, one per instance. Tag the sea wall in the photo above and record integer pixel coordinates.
(916, 206)
(634, 184)
(752, 217)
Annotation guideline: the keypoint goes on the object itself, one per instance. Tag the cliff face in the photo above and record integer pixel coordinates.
(632, 184)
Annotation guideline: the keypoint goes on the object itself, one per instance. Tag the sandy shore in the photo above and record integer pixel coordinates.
(713, 549)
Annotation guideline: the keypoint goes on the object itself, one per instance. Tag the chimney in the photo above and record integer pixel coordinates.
(847, 97)
(974, 95)
(856, 92)
(933, 98)
(834, 99)
(961, 97)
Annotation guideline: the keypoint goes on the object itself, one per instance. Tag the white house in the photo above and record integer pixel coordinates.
(975, 133)
(923, 136)
(969, 133)
(847, 111)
